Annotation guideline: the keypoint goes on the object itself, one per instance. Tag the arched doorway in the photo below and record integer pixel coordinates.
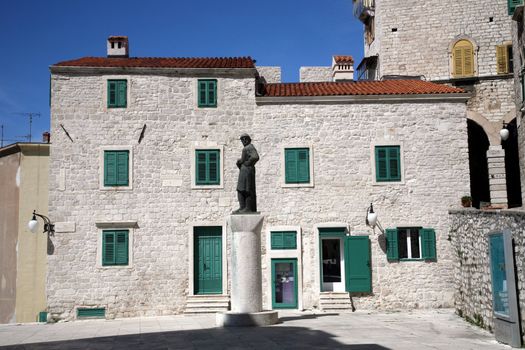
(478, 144)
(512, 167)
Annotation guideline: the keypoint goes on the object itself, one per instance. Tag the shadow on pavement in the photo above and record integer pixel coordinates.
(283, 319)
(266, 338)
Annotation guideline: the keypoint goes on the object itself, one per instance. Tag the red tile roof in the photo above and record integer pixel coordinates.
(385, 87)
(156, 62)
(343, 59)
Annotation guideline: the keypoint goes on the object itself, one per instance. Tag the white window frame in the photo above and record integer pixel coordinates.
(196, 93)
(284, 254)
(311, 165)
(105, 79)
(101, 168)
(193, 167)
(373, 162)
(115, 225)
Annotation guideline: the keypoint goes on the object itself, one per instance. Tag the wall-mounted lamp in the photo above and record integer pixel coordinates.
(504, 132)
(49, 228)
(371, 218)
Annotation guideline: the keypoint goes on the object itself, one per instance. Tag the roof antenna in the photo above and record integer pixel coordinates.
(30, 115)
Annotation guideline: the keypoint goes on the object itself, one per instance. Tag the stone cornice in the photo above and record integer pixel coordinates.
(193, 72)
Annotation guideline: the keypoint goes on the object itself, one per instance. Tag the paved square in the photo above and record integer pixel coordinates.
(421, 330)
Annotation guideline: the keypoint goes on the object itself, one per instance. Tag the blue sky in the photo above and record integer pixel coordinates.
(35, 34)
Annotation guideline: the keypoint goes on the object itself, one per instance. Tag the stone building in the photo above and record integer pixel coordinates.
(143, 177)
(23, 188)
(461, 43)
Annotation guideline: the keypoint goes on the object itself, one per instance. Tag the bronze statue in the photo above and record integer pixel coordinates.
(246, 183)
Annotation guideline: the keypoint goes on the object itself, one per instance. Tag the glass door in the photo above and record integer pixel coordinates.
(284, 283)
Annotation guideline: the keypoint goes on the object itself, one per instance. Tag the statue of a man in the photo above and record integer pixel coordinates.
(246, 182)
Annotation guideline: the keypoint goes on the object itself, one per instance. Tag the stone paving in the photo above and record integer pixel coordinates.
(421, 330)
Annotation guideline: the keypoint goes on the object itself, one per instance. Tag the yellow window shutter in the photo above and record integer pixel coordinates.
(458, 62)
(501, 59)
(468, 68)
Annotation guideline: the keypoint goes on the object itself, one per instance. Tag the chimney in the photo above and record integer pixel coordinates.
(118, 46)
(46, 137)
(342, 68)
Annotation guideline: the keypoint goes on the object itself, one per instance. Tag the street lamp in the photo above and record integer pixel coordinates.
(504, 132)
(371, 218)
(32, 225)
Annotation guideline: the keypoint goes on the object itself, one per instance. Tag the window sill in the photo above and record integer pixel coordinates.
(116, 188)
(386, 183)
(104, 267)
(207, 187)
(298, 185)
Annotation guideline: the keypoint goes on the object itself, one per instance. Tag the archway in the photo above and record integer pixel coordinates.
(512, 167)
(478, 144)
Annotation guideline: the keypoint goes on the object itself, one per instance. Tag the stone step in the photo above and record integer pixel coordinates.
(206, 304)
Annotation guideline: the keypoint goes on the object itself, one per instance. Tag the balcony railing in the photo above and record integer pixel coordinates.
(363, 9)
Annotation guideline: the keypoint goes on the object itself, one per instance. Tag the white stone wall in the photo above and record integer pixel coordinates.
(468, 236)
(494, 100)
(425, 30)
(315, 74)
(270, 74)
(433, 137)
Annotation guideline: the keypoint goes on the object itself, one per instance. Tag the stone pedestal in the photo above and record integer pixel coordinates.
(246, 277)
(497, 177)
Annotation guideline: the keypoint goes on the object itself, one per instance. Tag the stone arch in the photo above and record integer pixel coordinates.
(491, 128)
(478, 144)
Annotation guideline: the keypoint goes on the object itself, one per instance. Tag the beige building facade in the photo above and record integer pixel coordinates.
(23, 188)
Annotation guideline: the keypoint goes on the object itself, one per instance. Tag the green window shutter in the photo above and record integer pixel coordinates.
(297, 165)
(303, 166)
(202, 93)
(207, 92)
(394, 167)
(381, 164)
(513, 4)
(392, 253)
(277, 240)
(213, 167)
(357, 264)
(283, 240)
(110, 168)
(212, 93)
(108, 248)
(112, 93)
(428, 243)
(117, 93)
(290, 161)
(122, 168)
(121, 247)
(207, 167)
(116, 168)
(122, 92)
(98, 312)
(289, 240)
(388, 163)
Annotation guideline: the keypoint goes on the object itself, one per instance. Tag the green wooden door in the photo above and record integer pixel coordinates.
(357, 264)
(207, 260)
(284, 283)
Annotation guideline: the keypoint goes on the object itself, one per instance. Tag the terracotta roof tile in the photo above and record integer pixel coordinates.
(343, 59)
(384, 87)
(157, 62)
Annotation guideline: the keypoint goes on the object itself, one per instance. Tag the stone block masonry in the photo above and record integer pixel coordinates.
(166, 207)
(473, 286)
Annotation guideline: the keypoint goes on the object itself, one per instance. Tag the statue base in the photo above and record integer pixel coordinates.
(248, 319)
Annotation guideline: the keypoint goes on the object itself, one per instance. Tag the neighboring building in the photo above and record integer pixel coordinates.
(23, 188)
(519, 86)
(143, 178)
(461, 43)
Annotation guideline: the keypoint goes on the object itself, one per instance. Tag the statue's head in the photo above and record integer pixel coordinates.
(245, 139)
